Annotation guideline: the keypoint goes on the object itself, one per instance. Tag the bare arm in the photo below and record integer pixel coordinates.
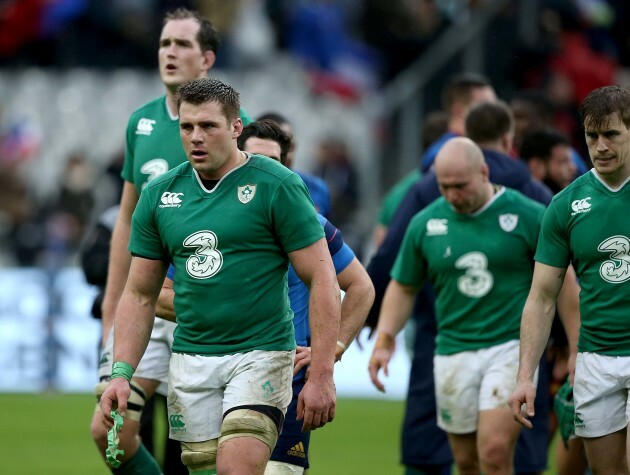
(356, 284)
(569, 312)
(132, 328)
(395, 311)
(119, 257)
(313, 265)
(164, 307)
(536, 321)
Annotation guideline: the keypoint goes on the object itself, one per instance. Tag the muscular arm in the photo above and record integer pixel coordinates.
(164, 307)
(136, 310)
(569, 312)
(314, 267)
(119, 257)
(397, 306)
(356, 284)
(132, 327)
(313, 264)
(536, 321)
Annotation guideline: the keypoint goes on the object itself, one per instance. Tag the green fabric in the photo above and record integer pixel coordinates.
(395, 196)
(153, 143)
(120, 369)
(587, 225)
(230, 250)
(142, 463)
(564, 408)
(480, 265)
(113, 440)
(203, 472)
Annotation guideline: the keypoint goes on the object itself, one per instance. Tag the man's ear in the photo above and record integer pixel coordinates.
(208, 60)
(238, 128)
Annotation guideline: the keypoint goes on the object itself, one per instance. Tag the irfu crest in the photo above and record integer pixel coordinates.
(246, 193)
(508, 222)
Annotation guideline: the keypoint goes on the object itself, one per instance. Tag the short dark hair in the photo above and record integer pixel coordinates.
(207, 36)
(540, 143)
(267, 129)
(200, 91)
(488, 121)
(275, 116)
(602, 102)
(459, 88)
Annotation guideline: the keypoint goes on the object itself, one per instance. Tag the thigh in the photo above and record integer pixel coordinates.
(457, 382)
(607, 454)
(195, 397)
(260, 378)
(499, 375)
(600, 399)
(292, 446)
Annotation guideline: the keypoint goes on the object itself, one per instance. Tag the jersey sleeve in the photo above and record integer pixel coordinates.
(341, 253)
(293, 214)
(145, 240)
(410, 267)
(553, 243)
(130, 137)
(170, 273)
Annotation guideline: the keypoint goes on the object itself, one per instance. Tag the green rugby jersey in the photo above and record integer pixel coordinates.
(229, 247)
(480, 265)
(153, 143)
(587, 224)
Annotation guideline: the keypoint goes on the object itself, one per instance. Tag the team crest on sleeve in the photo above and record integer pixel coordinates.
(508, 222)
(246, 193)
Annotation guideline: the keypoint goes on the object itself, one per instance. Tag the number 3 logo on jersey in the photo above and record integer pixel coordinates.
(207, 259)
(617, 269)
(477, 281)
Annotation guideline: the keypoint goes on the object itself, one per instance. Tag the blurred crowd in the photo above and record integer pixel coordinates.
(348, 47)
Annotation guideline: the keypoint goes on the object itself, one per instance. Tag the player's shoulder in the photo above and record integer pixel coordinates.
(166, 179)
(582, 185)
(438, 209)
(268, 169)
(151, 108)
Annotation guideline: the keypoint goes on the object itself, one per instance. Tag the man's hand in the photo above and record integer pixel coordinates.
(302, 358)
(524, 393)
(381, 355)
(115, 397)
(317, 402)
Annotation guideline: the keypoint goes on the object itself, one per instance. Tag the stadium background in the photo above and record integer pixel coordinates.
(357, 78)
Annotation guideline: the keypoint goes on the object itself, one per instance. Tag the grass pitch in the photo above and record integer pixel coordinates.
(49, 434)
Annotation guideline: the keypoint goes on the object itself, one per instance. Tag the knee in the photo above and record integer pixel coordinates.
(199, 456)
(262, 423)
(98, 429)
(495, 454)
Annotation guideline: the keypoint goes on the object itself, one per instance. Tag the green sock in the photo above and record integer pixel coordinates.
(142, 463)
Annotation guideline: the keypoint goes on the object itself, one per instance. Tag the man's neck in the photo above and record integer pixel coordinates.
(171, 103)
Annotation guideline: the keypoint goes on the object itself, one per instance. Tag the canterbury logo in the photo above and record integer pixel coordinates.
(297, 450)
(437, 227)
(581, 206)
(145, 126)
(176, 421)
(171, 200)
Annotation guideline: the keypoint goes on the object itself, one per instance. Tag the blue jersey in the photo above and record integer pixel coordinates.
(318, 189)
(342, 255)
